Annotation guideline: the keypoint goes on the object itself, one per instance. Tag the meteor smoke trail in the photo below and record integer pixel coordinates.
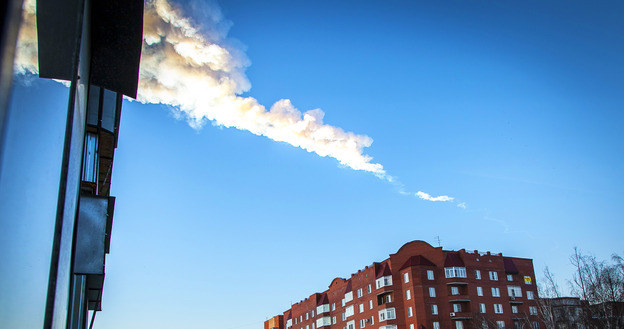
(197, 72)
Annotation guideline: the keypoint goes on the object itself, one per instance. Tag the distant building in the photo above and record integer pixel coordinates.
(566, 312)
(424, 287)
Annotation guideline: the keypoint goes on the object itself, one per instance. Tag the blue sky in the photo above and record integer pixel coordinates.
(514, 108)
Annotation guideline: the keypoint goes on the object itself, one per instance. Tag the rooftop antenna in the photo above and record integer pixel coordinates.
(437, 238)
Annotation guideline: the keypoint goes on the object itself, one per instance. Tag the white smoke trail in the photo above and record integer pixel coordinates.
(197, 72)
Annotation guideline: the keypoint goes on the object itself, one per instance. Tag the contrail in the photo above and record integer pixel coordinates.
(197, 71)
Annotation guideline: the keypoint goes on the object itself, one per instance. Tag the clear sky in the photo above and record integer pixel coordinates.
(514, 108)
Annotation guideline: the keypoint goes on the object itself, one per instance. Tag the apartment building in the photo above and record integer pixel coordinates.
(425, 287)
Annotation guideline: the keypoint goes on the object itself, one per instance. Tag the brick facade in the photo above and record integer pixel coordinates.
(403, 291)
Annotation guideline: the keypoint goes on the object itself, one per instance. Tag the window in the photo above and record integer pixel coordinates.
(333, 306)
(434, 309)
(362, 323)
(535, 325)
(344, 316)
(436, 325)
(533, 310)
(90, 162)
(509, 277)
(372, 320)
(411, 326)
(348, 297)
(361, 308)
(322, 309)
(388, 298)
(288, 323)
(408, 295)
(384, 281)
(432, 292)
(454, 291)
(351, 324)
(312, 313)
(500, 324)
(479, 291)
(406, 277)
(456, 307)
(307, 314)
(455, 272)
(333, 320)
(493, 276)
(498, 308)
(370, 304)
(359, 293)
(324, 321)
(514, 291)
(530, 295)
(478, 274)
(409, 312)
(482, 308)
(349, 311)
(300, 318)
(387, 314)
(459, 325)
(429, 274)
(514, 309)
(368, 289)
(495, 292)
(307, 326)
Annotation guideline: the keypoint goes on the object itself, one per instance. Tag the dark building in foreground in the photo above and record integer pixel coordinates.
(95, 45)
(424, 287)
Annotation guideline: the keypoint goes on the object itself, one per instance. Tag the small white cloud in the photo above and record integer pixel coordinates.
(462, 205)
(428, 197)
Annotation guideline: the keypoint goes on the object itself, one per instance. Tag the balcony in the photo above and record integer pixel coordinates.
(515, 300)
(459, 298)
(461, 315)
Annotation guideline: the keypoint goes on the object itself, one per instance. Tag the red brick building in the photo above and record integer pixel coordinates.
(423, 287)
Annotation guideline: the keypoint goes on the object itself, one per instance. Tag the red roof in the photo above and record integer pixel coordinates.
(510, 267)
(322, 300)
(417, 261)
(453, 260)
(348, 288)
(383, 270)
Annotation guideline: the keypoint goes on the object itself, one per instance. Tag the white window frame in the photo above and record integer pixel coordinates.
(457, 308)
(430, 275)
(509, 277)
(532, 310)
(369, 289)
(322, 309)
(479, 291)
(370, 304)
(495, 292)
(349, 311)
(436, 325)
(361, 308)
(434, 309)
(482, 308)
(454, 290)
(323, 321)
(477, 274)
(432, 292)
(387, 314)
(498, 308)
(493, 276)
(410, 312)
(384, 281)
(530, 295)
(348, 297)
(406, 277)
(408, 294)
(514, 309)
(372, 320)
(362, 323)
(455, 272)
(500, 324)
(514, 291)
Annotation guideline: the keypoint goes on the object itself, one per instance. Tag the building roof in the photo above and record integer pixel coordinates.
(417, 261)
(348, 288)
(453, 260)
(322, 300)
(510, 267)
(383, 270)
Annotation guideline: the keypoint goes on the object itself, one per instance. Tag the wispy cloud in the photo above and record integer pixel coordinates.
(198, 71)
(428, 197)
